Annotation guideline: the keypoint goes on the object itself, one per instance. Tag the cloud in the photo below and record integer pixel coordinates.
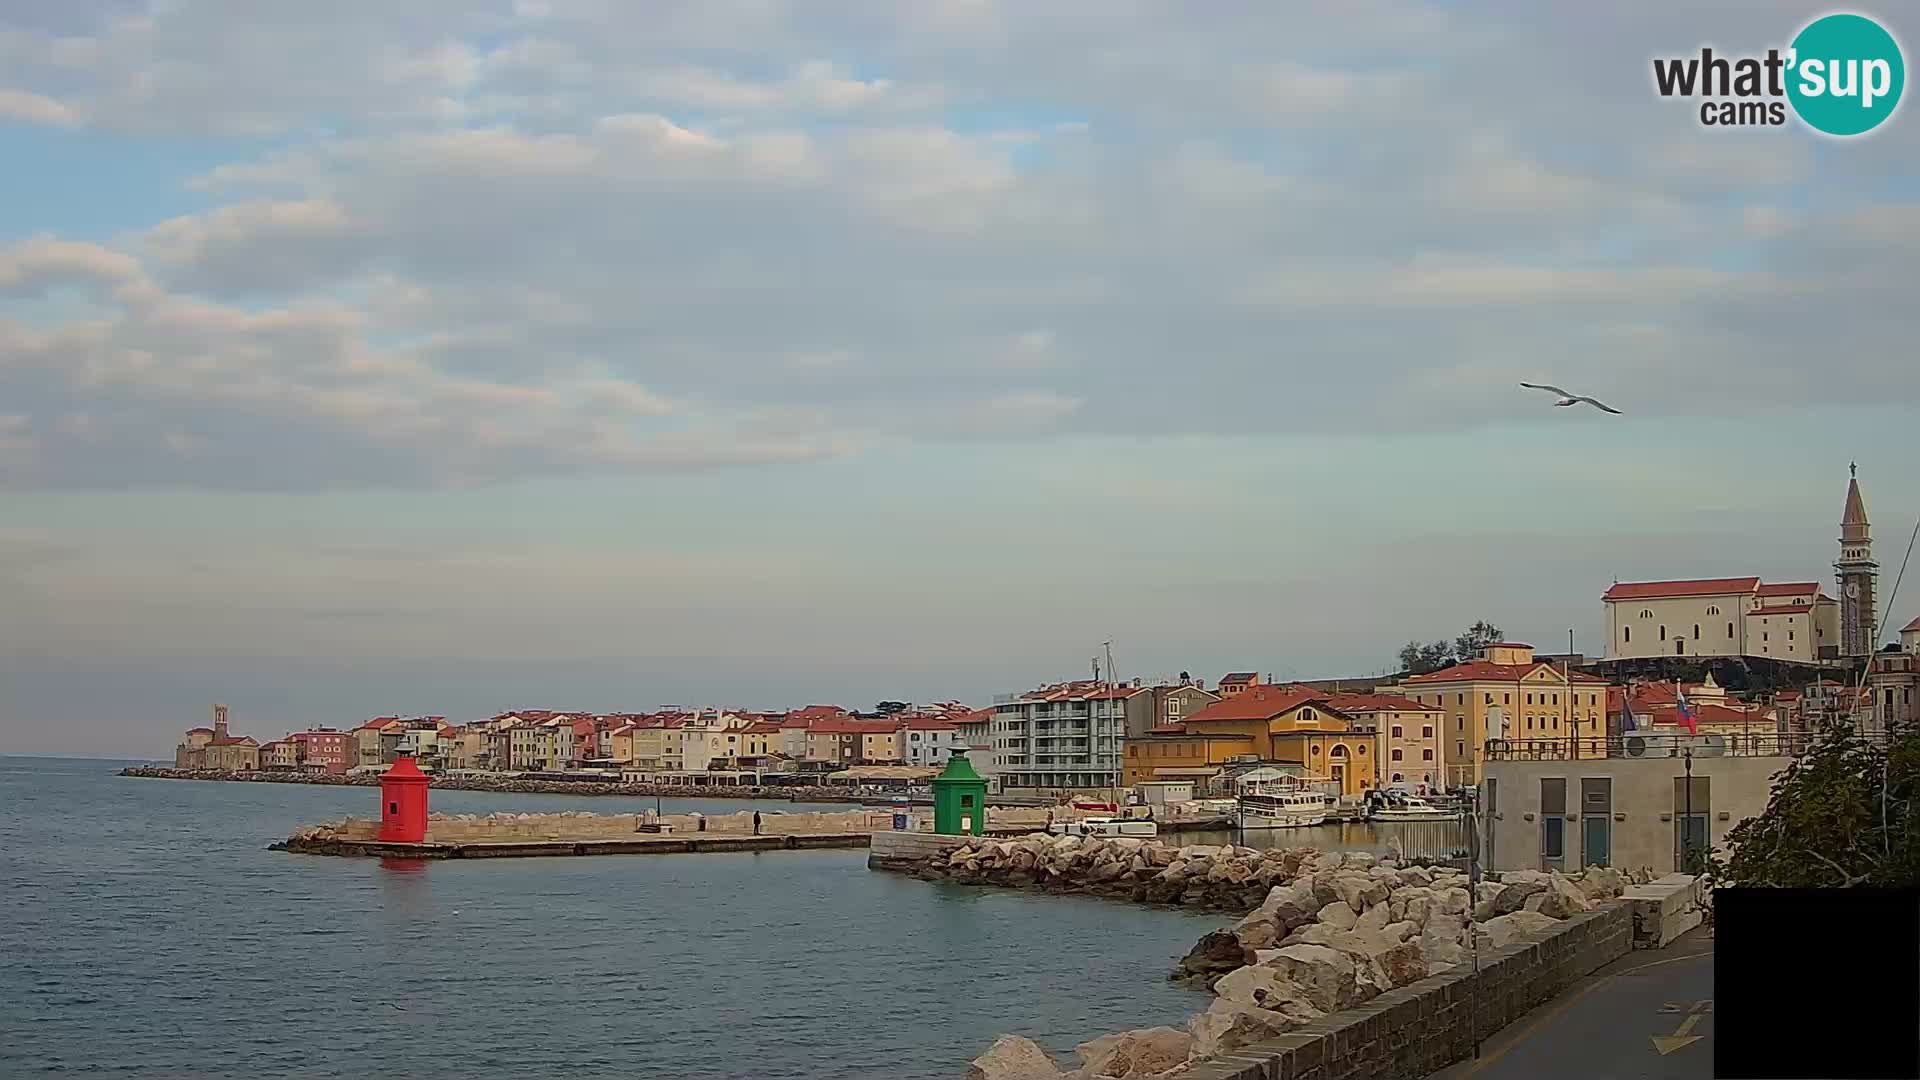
(469, 243)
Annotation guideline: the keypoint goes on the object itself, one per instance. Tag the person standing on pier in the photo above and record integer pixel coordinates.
(756, 823)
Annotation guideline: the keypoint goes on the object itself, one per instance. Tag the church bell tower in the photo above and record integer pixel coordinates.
(1856, 572)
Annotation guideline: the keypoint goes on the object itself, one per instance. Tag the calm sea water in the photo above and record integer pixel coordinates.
(148, 932)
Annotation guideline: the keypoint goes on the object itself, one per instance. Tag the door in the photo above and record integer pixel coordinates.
(1596, 841)
(1679, 646)
(1553, 843)
(1690, 843)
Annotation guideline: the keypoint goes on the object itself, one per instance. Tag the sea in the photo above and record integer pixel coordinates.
(148, 932)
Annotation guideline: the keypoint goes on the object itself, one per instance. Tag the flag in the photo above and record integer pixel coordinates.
(1686, 710)
(1627, 724)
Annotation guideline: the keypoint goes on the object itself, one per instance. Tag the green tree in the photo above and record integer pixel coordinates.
(1417, 658)
(1840, 815)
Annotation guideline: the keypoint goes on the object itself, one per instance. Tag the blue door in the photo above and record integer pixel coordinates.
(1594, 842)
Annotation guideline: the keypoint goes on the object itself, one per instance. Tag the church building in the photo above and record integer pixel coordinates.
(1747, 617)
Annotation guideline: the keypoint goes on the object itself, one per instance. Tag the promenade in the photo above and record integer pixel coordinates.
(1648, 1014)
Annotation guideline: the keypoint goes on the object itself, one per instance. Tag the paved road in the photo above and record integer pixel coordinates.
(1648, 1014)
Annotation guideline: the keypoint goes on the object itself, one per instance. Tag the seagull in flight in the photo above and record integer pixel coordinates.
(1567, 398)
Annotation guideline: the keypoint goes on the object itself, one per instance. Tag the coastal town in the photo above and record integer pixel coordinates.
(1731, 674)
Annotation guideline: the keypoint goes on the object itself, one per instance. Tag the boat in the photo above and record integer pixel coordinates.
(1410, 808)
(1282, 809)
(1103, 826)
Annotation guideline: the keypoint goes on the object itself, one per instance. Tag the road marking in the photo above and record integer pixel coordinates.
(1681, 1037)
(1525, 1027)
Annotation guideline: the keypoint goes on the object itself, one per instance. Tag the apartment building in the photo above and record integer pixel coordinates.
(1065, 737)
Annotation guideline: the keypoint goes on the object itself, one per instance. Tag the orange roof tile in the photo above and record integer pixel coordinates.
(1488, 671)
(1657, 590)
(1377, 703)
(1258, 703)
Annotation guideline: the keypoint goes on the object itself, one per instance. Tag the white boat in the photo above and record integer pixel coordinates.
(1282, 809)
(1102, 826)
(1410, 808)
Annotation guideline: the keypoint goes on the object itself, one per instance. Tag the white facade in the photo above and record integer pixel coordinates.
(1065, 738)
(930, 748)
(1721, 618)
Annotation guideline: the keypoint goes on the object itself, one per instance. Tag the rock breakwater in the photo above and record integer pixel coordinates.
(1320, 933)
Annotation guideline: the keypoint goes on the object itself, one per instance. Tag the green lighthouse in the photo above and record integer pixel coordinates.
(959, 798)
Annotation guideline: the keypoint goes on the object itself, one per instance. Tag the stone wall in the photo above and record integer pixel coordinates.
(903, 851)
(1419, 1029)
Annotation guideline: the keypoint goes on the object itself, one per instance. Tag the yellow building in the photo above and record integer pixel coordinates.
(1406, 735)
(1277, 724)
(1506, 693)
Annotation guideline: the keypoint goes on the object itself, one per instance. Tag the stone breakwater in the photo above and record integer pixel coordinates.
(1325, 933)
(507, 827)
(510, 785)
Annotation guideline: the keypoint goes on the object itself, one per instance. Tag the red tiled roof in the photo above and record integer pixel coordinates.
(1232, 677)
(1911, 627)
(1488, 671)
(854, 727)
(1167, 729)
(209, 731)
(1509, 645)
(762, 728)
(244, 740)
(1258, 703)
(1082, 690)
(929, 723)
(1789, 588)
(1377, 703)
(1657, 590)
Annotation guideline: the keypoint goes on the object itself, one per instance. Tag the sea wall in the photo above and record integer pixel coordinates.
(514, 785)
(1416, 1030)
(1338, 954)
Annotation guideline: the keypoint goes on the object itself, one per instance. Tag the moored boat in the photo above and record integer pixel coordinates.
(1282, 809)
(1410, 808)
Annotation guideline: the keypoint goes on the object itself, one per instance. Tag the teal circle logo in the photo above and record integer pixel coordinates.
(1846, 75)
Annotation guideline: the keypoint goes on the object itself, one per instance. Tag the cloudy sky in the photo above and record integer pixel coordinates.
(445, 357)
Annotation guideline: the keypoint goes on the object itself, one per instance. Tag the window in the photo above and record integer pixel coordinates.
(1529, 723)
(1646, 613)
(1789, 635)
(1396, 730)
(1626, 633)
(1462, 701)
(1711, 610)
(1397, 778)
(1459, 749)
(1729, 631)
(1426, 731)
(1763, 635)
(1395, 755)
(1426, 755)
(1556, 699)
(1363, 749)
(1663, 632)
(1506, 699)
(1696, 631)
(1316, 750)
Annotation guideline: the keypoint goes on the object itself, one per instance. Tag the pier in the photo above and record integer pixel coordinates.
(653, 844)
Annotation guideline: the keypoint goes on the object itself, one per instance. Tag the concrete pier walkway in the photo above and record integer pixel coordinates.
(1648, 1014)
(663, 844)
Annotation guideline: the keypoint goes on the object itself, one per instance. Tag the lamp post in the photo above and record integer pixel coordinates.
(1686, 825)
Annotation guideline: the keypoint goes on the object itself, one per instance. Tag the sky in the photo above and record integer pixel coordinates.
(447, 357)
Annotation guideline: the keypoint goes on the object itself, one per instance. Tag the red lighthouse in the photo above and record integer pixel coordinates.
(403, 803)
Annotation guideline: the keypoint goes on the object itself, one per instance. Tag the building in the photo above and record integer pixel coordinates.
(1505, 694)
(280, 755)
(1165, 702)
(1856, 572)
(1283, 725)
(1234, 683)
(1061, 738)
(929, 741)
(1893, 680)
(214, 748)
(1406, 735)
(324, 750)
(1556, 812)
(1721, 617)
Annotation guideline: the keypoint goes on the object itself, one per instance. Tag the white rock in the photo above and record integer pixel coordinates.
(1338, 915)
(1013, 1057)
(1325, 976)
(1228, 1026)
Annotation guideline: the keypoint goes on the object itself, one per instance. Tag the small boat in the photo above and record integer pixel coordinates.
(1101, 826)
(1282, 809)
(1410, 808)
